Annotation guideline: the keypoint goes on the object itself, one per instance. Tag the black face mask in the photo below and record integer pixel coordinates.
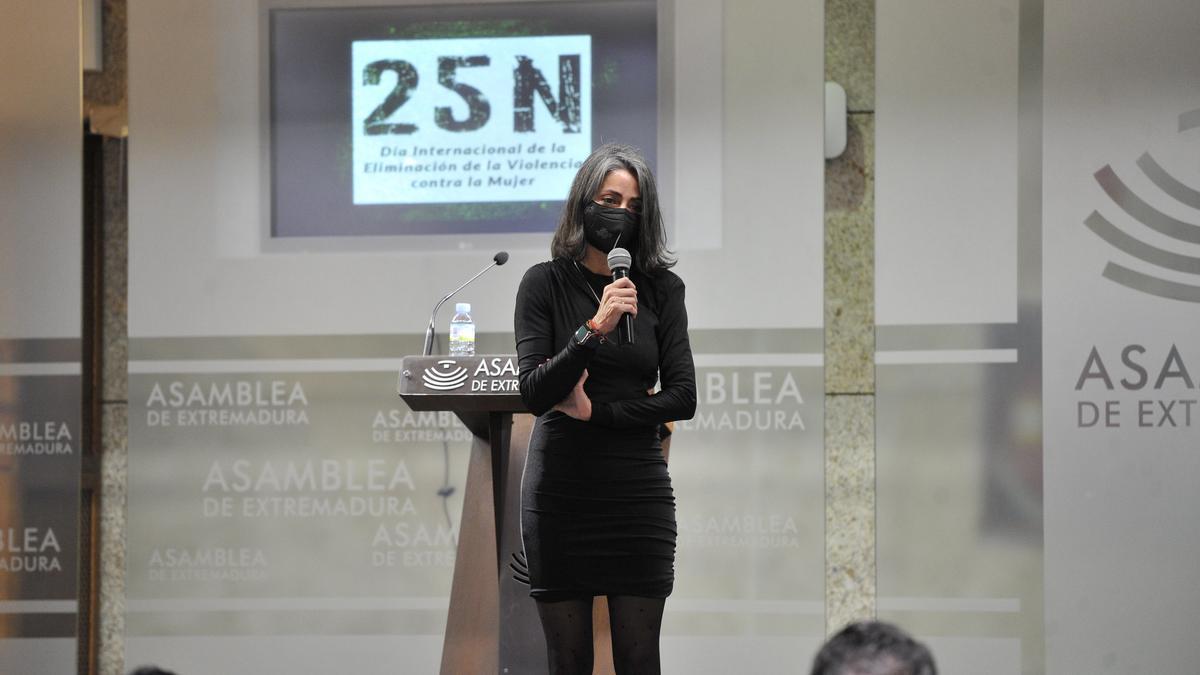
(602, 225)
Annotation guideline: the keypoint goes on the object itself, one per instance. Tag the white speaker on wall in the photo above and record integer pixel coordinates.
(835, 120)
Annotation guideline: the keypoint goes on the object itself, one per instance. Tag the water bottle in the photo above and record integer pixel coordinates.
(462, 331)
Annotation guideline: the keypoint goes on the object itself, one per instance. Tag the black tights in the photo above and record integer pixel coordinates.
(635, 627)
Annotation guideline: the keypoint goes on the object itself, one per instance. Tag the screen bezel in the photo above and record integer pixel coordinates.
(269, 242)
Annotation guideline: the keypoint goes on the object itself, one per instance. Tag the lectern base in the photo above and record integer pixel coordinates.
(492, 626)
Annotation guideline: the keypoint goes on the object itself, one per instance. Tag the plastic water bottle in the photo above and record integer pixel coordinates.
(462, 331)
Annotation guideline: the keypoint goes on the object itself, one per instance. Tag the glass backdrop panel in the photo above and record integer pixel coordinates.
(255, 361)
(41, 257)
(958, 377)
(1122, 236)
(748, 469)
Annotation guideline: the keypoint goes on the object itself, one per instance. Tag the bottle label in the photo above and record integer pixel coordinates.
(462, 339)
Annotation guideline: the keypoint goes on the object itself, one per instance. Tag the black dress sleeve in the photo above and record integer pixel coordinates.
(676, 399)
(546, 376)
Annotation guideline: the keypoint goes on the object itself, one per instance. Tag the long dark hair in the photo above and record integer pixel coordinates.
(650, 254)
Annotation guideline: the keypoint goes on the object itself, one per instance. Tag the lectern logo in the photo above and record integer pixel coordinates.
(445, 376)
(1143, 212)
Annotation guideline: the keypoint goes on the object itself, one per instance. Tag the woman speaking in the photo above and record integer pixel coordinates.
(597, 508)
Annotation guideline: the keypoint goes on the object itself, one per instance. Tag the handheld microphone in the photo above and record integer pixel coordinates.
(619, 261)
(498, 259)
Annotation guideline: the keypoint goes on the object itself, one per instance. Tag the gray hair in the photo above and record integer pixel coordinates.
(650, 254)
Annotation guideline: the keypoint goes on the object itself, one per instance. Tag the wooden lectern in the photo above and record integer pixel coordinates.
(492, 625)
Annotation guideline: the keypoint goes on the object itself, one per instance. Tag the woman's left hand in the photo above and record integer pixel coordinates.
(577, 404)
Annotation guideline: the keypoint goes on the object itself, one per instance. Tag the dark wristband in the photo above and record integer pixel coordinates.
(588, 337)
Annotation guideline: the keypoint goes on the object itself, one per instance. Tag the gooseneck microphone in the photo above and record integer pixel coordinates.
(619, 261)
(498, 259)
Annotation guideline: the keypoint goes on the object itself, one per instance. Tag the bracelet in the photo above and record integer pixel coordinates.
(593, 329)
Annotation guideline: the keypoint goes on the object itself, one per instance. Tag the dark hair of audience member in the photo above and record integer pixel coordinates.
(873, 648)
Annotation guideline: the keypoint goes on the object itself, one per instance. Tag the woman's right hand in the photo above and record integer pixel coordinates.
(620, 297)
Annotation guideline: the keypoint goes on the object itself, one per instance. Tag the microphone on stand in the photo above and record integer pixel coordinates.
(498, 259)
(619, 261)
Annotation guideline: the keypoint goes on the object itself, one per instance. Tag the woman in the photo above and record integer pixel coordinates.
(597, 509)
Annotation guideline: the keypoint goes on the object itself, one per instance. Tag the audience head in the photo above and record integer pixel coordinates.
(873, 648)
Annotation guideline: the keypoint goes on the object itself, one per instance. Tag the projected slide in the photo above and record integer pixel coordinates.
(448, 118)
(505, 120)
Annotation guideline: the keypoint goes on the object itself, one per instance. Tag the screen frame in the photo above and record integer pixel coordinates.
(269, 243)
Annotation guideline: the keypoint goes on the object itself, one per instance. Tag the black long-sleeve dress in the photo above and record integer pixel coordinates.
(597, 508)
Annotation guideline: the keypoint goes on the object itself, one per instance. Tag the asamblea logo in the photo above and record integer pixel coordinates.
(1145, 383)
(209, 402)
(43, 437)
(447, 375)
(1143, 212)
(29, 549)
